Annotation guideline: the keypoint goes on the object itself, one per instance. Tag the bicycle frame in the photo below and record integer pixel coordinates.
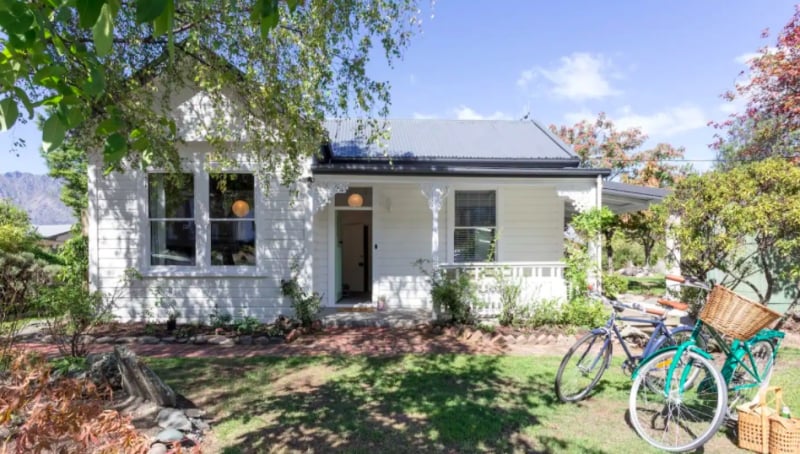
(735, 355)
(660, 330)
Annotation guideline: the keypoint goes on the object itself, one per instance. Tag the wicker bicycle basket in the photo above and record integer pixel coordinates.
(734, 315)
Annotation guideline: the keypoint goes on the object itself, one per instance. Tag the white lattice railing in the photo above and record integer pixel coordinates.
(538, 281)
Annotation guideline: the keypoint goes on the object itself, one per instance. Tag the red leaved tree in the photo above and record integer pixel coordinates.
(770, 89)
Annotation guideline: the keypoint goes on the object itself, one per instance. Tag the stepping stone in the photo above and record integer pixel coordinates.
(172, 418)
(105, 340)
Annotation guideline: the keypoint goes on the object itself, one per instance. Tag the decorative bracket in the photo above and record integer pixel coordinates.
(323, 193)
(435, 193)
(582, 199)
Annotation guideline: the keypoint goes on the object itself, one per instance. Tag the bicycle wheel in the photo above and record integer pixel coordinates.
(692, 412)
(582, 367)
(743, 386)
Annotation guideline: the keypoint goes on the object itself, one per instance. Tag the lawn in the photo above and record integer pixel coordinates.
(446, 403)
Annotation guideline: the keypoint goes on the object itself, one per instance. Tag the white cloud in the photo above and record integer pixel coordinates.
(580, 76)
(424, 116)
(466, 113)
(746, 57)
(667, 122)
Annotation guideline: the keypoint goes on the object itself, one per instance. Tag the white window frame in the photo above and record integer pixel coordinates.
(150, 220)
(451, 220)
(203, 267)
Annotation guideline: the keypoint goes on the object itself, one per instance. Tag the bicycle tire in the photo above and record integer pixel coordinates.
(588, 351)
(763, 353)
(687, 418)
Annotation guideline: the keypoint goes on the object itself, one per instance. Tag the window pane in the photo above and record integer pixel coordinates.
(231, 196)
(473, 245)
(172, 243)
(475, 209)
(171, 196)
(233, 243)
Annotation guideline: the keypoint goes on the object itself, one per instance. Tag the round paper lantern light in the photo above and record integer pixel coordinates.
(240, 208)
(355, 200)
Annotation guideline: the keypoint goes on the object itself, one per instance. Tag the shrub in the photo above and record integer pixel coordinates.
(614, 285)
(511, 312)
(584, 312)
(246, 325)
(219, 319)
(545, 312)
(306, 307)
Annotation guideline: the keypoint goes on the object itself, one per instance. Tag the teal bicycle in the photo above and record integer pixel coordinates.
(679, 397)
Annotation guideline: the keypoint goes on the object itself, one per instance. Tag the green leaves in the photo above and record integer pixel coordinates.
(267, 13)
(164, 22)
(89, 11)
(53, 132)
(149, 10)
(103, 31)
(115, 149)
(8, 113)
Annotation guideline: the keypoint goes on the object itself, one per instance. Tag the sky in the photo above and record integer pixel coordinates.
(660, 66)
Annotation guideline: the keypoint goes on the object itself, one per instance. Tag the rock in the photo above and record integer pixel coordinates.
(149, 340)
(261, 340)
(169, 436)
(276, 339)
(103, 368)
(172, 418)
(181, 340)
(245, 340)
(168, 339)
(157, 448)
(194, 413)
(105, 340)
(630, 331)
(140, 381)
(499, 339)
(201, 425)
(198, 340)
(125, 340)
(86, 339)
(47, 339)
(220, 340)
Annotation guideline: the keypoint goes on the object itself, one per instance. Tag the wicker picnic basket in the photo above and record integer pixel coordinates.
(784, 435)
(734, 315)
(754, 421)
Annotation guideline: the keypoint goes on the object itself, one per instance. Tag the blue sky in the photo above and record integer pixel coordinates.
(657, 65)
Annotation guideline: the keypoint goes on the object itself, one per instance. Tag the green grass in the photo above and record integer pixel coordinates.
(646, 285)
(450, 403)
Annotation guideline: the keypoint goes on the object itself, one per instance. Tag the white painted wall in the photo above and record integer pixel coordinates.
(532, 224)
(119, 236)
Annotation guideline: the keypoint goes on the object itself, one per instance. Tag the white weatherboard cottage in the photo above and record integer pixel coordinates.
(441, 190)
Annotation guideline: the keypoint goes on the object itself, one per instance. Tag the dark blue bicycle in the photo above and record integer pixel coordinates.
(587, 360)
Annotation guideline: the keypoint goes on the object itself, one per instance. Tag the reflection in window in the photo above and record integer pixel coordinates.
(171, 214)
(475, 222)
(232, 213)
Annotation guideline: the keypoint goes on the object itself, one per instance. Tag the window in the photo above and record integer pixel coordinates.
(171, 216)
(232, 212)
(475, 222)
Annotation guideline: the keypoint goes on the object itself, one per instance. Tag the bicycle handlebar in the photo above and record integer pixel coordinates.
(689, 281)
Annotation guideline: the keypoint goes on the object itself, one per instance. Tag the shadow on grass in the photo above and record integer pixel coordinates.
(372, 404)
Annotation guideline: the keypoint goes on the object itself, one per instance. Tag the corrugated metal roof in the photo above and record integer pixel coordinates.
(449, 139)
(51, 230)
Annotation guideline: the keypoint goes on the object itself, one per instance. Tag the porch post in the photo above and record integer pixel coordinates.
(435, 193)
(319, 195)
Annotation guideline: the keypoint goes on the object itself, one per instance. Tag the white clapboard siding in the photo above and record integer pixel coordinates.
(532, 227)
(403, 235)
(119, 201)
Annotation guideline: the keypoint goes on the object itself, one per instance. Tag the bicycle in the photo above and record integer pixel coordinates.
(694, 397)
(587, 360)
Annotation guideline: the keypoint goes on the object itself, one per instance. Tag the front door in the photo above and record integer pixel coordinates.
(354, 234)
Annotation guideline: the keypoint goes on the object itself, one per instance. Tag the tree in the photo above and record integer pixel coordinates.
(744, 222)
(655, 168)
(647, 227)
(770, 123)
(69, 164)
(598, 143)
(105, 72)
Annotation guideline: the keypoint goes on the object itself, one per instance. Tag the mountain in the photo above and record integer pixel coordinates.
(38, 195)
